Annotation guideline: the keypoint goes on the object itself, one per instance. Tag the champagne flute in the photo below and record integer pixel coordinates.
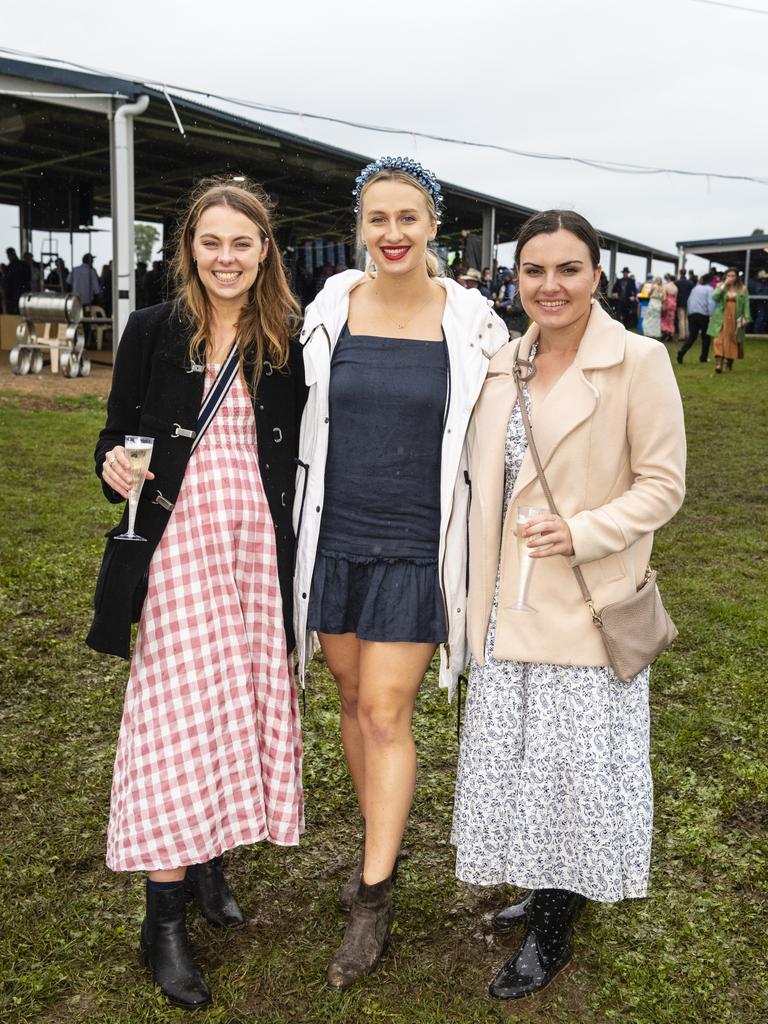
(139, 452)
(524, 515)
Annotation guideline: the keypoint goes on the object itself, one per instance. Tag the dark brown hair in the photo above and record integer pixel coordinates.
(549, 221)
(271, 313)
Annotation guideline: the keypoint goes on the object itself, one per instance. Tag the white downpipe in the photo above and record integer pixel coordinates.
(123, 212)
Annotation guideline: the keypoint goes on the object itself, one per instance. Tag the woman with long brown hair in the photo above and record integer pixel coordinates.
(209, 754)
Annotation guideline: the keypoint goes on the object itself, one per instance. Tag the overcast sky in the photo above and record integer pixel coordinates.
(665, 83)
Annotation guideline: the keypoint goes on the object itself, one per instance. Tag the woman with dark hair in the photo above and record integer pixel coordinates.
(727, 325)
(395, 357)
(554, 788)
(209, 754)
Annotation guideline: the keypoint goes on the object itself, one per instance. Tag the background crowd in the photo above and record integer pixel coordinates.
(666, 308)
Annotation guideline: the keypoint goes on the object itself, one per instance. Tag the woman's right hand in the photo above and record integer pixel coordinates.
(116, 471)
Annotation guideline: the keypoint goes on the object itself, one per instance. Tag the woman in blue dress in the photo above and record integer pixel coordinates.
(394, 358)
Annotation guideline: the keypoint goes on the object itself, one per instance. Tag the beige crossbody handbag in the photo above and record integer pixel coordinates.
(634, 630)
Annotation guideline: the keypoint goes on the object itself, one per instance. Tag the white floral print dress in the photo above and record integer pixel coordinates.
(554, 784)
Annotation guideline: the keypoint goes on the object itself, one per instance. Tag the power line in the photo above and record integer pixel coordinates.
(731, 7)
(614, 167)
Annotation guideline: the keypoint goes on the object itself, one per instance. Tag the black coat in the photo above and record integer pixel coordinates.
(153, 391)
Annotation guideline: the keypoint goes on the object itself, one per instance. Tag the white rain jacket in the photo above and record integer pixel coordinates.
(473, 333)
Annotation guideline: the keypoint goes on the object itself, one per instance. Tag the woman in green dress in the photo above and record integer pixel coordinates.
(727, 325)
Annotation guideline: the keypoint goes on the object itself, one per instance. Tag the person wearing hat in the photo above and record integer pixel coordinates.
(471, 278)
(84, 281)
(624, 295)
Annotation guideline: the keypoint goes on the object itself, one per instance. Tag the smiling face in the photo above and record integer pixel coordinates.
(396, 225)
(228, 249)
(557, 279)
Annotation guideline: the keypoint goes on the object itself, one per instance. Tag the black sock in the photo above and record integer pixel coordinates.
(153, 886)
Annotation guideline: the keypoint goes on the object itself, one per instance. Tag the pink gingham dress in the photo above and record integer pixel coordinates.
(209, 753)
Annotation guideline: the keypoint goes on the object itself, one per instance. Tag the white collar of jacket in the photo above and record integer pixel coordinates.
(465, 310)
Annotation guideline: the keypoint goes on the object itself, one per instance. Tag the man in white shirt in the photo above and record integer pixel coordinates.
(701, 306)
(84, 281)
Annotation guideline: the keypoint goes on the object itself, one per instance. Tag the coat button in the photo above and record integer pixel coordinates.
(317, 509)
(304, 596)
(326, 419)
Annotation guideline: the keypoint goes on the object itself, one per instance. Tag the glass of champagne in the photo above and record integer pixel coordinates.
(525, 563)
(139, 452)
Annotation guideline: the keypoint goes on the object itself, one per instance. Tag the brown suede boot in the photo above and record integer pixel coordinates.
(365, 940)
(352, 884)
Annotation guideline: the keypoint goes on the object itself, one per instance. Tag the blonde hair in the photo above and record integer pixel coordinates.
(271, 313)
(433, 261)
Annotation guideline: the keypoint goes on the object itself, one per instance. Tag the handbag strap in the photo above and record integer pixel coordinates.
(523, 371)
(217, 394)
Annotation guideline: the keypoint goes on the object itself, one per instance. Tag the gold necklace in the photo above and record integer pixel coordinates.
(401, 326)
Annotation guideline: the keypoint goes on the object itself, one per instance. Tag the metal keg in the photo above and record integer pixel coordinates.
(51, 307)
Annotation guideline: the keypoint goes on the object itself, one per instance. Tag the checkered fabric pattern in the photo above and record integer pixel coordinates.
(209, 753)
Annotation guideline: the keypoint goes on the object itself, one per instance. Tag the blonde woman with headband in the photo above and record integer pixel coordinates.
(209, 754)
(394, 359)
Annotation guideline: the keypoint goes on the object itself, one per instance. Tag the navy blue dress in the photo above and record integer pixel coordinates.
(376, 569)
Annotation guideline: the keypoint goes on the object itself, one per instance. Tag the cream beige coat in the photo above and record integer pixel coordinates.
(611, 438)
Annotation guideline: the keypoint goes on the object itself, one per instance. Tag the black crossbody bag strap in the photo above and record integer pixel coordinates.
(216, 395)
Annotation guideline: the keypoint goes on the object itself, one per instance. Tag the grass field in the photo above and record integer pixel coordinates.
(695, 951)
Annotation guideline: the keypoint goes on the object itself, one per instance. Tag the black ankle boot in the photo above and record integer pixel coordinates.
(546, 947)
(513, 915)
(208, 887)
(165, 948)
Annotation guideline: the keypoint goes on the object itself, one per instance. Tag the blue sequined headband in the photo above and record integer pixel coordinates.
(425, 178)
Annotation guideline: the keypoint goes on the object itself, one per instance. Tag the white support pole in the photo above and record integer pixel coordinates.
(648, 266)
(747, 262)
(123, 209)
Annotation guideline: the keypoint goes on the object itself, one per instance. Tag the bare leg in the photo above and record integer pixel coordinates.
(342, 654)
(171, 875)
(389, 678)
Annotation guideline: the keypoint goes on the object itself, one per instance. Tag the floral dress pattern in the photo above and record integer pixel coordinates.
(554, 784)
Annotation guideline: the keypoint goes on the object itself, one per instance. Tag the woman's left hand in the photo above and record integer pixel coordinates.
(549, 535)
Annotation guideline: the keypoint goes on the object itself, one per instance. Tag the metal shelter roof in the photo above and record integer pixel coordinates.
(310, 180)
(732, 251)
